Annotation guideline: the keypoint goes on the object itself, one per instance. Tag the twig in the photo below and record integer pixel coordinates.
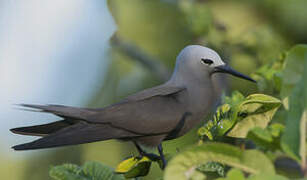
(140, 56)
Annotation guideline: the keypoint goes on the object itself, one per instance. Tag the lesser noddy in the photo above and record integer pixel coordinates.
(146, 118)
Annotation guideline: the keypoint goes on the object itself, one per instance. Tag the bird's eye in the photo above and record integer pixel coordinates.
(207, 61)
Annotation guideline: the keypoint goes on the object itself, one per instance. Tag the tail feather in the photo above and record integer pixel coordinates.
(78, 133)
(42, 130)
(63, 111)
(74, 129)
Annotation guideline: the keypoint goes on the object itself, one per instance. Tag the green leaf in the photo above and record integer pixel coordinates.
(262, 137)
(265, 176)
(240, 115)
(89, 171)
(294, 138)
(223, 120)
(236, 98)
(66, 172)
(267, 139)
(294, 68)
(256, 110)
(276, 129)
(262, 134)
(234, 174)
(269, 76)
(96, 170)
(212, 167)
(186, 163)
(134, 167)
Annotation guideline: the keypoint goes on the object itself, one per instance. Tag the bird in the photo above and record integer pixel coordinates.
(146, 118)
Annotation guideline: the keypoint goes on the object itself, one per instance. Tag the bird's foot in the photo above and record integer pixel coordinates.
(160, 149)
(151, 156)
(163, 163)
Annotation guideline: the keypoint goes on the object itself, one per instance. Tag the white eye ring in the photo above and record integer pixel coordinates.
(207, 61)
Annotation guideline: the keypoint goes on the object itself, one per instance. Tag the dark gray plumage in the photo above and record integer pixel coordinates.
(160, 113)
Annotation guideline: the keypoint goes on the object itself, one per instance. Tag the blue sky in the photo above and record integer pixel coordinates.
(51, 51)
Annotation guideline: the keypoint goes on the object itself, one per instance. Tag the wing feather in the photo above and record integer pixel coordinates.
(153, 114)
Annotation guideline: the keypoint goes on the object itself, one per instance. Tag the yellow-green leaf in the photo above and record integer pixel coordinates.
(234, 174)
(134, 167)
(256, 110)
(185, 164)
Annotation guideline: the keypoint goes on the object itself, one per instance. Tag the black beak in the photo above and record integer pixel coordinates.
(229, 70)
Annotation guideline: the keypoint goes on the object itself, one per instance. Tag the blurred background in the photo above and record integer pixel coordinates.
(93, 53)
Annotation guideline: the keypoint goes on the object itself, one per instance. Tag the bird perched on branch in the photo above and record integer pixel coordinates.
(146, 118)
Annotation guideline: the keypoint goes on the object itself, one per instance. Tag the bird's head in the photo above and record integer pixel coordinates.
(202, 61)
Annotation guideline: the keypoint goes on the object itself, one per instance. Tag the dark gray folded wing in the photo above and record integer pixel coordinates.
(153, 111)
(162, 90)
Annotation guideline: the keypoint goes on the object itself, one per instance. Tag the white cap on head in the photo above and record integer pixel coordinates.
(197, 53)
(196, 62)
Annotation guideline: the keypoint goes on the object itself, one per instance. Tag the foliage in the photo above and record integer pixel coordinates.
(89, 171)
(212, 167)
(267, 139)
(294, 139)
(184, 165)
(236, 174)
(134, 167)
(269, 78)
(236, 117)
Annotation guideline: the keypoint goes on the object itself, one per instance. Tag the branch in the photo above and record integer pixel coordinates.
(135, 53)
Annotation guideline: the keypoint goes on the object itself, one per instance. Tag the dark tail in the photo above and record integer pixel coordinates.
(78, 133)
(41, 130)
(72, 115)
(63, 111)
(74, 129)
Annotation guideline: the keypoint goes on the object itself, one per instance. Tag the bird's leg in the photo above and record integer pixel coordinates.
(160, 149)
(138, 147)
(151, 156)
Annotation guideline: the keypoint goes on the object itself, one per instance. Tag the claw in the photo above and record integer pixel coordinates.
(151, 156)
